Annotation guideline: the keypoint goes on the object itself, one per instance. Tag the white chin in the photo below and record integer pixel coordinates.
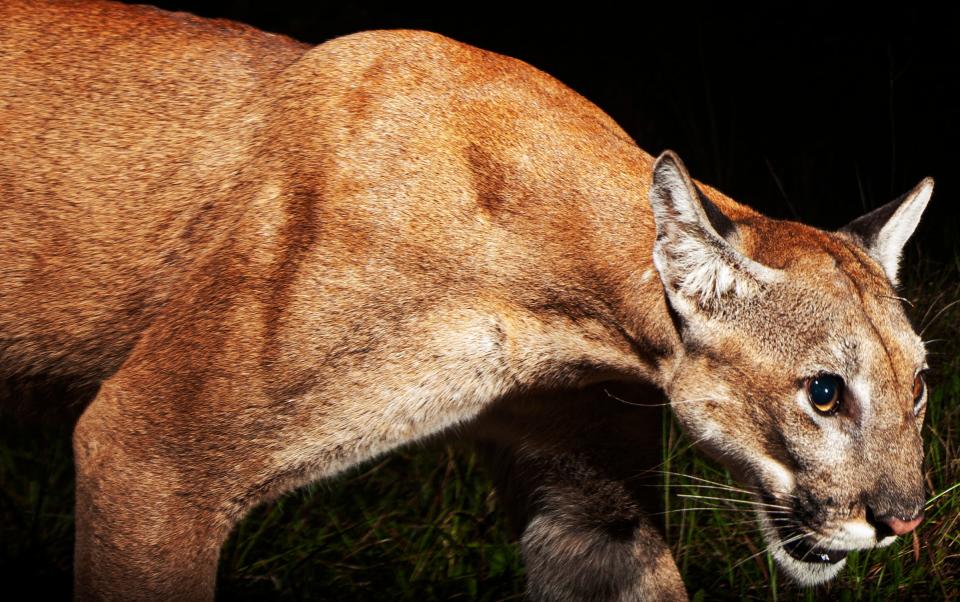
(806, 574)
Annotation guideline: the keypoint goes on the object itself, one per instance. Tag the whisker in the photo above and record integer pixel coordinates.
(655, 469)
(768, 549)
(708, 481)
(776, 518)
(633, 403)
(937, 315)
(669, 403)
(697, 486)
(933, 304)
(703, 400)
(721, 499)
(773, 513)
(898, 298)
(748, 511)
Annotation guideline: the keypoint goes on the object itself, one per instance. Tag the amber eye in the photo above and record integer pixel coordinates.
(919, 389)
(825, 392)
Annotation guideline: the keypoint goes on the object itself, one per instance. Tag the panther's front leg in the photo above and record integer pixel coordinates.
(574, 473)
(573, 552)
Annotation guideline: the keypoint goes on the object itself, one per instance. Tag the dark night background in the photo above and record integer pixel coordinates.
(804, 113)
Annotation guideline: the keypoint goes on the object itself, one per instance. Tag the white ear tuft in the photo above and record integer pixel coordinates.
(693, 254)
(884, 231)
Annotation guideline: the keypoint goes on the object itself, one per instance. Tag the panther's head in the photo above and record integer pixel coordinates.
(799, 368)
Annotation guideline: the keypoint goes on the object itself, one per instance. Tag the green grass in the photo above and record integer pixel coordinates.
(423, 523)
(420, 524)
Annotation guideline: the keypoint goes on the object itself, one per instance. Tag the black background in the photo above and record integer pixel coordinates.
(803, 112)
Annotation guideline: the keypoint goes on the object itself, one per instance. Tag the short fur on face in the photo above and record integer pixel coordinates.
(765, 309)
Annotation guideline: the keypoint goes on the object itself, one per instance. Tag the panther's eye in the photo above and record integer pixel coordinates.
(919, 390)
(825, 392)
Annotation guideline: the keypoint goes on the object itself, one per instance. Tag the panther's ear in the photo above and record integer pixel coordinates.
(884, 231)
(694, 251)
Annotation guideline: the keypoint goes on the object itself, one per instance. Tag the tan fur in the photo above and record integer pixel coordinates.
(281, 261)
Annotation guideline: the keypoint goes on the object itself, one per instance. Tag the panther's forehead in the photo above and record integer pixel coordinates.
(834, 297)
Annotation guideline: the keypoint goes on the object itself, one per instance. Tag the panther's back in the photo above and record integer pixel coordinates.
(118, 127)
